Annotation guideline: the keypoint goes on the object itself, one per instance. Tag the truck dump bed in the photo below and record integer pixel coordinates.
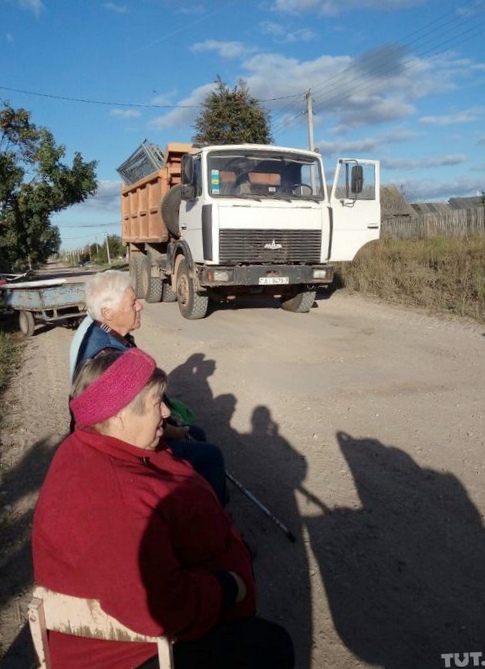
(141, 218)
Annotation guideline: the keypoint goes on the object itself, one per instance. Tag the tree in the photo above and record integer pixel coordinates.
(232, 117)
(35, 183)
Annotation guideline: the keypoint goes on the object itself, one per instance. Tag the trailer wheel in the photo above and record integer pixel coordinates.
(168, 293)
(300, 303)
(150, 286)
(169, 209)
(192, 305)
(136, 261)
(26, 323)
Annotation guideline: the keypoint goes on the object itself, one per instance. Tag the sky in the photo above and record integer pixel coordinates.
(400, 81)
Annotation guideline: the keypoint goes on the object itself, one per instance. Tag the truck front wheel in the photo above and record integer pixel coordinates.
(192, 305)
(300, 302)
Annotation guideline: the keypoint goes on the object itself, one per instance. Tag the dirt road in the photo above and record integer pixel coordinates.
(360, 425)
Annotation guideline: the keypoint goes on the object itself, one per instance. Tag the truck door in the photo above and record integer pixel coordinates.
(190, 215)
(355, 208)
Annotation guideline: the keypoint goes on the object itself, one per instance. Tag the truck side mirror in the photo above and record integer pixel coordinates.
(187, 169)
(357, 179)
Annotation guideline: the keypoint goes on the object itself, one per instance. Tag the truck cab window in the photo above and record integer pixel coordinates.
(264, 174)
(197, 178)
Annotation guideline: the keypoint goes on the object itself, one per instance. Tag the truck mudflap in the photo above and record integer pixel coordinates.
(264, 275)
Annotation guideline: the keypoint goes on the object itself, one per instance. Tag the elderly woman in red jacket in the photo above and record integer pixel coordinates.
(120, 519)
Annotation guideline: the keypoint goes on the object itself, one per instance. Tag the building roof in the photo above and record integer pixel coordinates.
(466, 202)
(431, 207)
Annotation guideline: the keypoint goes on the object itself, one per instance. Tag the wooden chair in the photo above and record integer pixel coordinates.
(50, 610)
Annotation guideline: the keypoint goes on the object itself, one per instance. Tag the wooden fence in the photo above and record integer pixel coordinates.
(456, 223)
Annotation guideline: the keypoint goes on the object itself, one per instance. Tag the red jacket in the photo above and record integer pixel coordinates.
(142, 532)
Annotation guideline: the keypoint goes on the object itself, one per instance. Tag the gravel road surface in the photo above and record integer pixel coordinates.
(360, 426)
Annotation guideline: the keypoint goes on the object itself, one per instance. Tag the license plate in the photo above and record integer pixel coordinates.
(273, 280)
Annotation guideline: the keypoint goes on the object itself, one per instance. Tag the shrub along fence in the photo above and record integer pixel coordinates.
(456, 223)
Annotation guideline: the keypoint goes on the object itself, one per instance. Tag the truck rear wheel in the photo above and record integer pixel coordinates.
(150, 286)
(300, 303)
(169, 209)
(136, 261)
(168, 293)
(192, 305)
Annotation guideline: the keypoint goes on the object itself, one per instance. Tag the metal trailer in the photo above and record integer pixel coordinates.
(49, 301)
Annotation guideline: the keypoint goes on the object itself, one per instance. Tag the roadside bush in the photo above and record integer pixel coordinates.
(441, 274)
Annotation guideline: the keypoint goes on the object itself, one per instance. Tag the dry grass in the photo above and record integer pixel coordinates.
(441, 274)
(10, 350)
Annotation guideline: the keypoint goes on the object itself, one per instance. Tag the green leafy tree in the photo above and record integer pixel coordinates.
(116, 249)
(232, 116)
(35, 183)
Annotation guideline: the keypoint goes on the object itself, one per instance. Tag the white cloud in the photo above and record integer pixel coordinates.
(464, 116)
(380, 86)
(113, 7)
(333, 7)
(426, 190)
(35, 6)
(186, 111)
(282, 33)
(367, 145)
(419, 163)
(125, 113)
(106, 198)
(224, 49)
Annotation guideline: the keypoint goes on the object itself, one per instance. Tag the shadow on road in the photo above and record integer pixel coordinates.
(271, 469)
(404, 574)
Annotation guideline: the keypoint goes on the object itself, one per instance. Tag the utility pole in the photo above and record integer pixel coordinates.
(107, 249)
(309, 110)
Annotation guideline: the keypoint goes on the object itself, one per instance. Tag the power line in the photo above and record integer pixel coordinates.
(333, 89)
(65, 98)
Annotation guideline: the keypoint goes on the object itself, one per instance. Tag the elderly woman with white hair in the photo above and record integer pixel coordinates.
(114, 312)
(119, 519)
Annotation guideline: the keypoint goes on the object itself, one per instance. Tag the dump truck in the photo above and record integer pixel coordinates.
(210, 223)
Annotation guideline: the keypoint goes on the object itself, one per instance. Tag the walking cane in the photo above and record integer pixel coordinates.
(261, 506)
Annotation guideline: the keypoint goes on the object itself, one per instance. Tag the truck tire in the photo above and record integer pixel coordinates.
(169, 209)
(136, 261)
(26, 323)
(192, 306)
(150, 286)
(168, 293)
(300, 303)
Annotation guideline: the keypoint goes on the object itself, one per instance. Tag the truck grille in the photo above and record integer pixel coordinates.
(260, 246)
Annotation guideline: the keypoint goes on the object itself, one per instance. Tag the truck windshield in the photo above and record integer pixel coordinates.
(264, 174)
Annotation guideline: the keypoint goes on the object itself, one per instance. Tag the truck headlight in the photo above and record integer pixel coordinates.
(319, 273)
(219, 275)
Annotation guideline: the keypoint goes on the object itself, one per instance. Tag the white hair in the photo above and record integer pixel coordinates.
(106, 289)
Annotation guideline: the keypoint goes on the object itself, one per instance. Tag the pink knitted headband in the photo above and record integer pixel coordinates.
(114, 389)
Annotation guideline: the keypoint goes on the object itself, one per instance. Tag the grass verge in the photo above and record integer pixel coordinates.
(10, 353)
(440, 274)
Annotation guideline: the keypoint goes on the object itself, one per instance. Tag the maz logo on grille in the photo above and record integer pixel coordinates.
(273, 246)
